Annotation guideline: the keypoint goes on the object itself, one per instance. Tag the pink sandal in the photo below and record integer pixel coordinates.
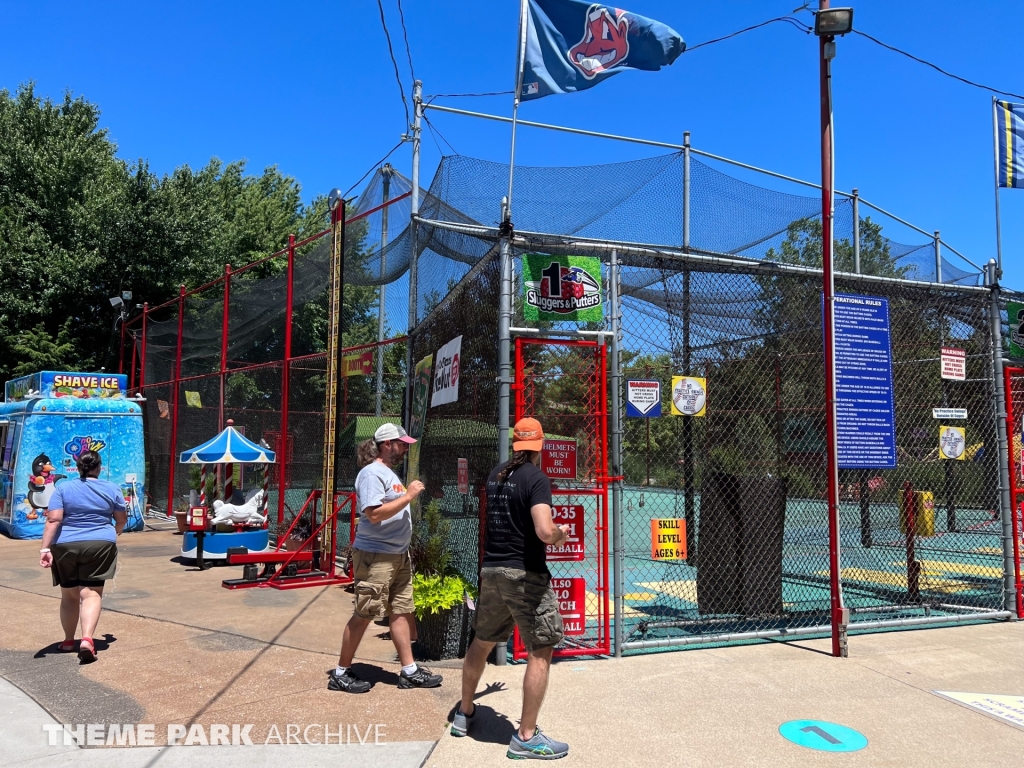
(67, 646)
(86, 650)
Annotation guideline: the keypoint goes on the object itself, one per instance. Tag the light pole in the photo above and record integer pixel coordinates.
(829, 22)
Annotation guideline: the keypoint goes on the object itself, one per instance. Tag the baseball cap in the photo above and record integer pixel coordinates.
(391, 432)
(528, 435)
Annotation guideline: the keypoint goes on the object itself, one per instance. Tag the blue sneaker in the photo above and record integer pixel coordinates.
(540, 747)
(461, 722)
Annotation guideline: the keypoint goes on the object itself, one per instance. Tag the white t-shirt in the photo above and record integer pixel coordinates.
(377, 484)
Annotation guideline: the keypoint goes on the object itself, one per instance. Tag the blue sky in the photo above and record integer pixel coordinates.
(310, 87)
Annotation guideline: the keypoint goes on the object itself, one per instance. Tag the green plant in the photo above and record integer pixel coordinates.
(429, 549)
(433, 593)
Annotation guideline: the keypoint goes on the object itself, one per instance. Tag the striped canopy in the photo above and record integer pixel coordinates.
(229, 447)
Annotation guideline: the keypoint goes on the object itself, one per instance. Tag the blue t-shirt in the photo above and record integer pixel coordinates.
(89, 507)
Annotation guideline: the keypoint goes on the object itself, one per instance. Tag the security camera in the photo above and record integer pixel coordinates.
(334, 198)
(115, 301)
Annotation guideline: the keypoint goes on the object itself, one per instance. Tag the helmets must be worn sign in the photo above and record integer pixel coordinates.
(562, 288)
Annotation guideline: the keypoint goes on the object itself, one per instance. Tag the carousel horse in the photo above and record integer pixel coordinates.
(246, 514)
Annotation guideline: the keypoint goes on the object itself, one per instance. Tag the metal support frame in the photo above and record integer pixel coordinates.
(838, 617)
(174, 401)
(286, 377)
(414, 137)
(224, 325)
(1006, 507)
(1016, 494)
(855, 204)
(386, 173)
(701, 153)
(615, 450)
(728, 637)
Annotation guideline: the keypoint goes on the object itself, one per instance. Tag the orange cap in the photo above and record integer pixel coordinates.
(528, 435)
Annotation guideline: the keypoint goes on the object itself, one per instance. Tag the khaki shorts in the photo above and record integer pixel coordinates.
(383, 584)
(511, 597)
(83, 563)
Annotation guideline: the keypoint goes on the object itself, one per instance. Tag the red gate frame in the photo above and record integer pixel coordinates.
(602, 481)
(1016, 494)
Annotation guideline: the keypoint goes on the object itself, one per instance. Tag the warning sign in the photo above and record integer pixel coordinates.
(643, 399)
(572, 604)
(558, 460)
(572, 549)
(689, 395)
(463, 476)
(952, 443)
(954, 364)
(668, 539)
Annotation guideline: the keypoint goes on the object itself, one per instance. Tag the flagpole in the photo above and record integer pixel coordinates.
(520, 59)
(995, 155)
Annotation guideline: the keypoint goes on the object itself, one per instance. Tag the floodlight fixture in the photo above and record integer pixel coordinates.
(126, 295)
(116, 301)
(833, 21)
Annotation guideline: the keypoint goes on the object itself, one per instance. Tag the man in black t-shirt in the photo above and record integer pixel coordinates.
(515, 589)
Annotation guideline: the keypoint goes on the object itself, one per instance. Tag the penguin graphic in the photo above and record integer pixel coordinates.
(40, 485)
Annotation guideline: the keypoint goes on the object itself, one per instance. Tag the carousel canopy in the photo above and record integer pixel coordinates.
(229, 447)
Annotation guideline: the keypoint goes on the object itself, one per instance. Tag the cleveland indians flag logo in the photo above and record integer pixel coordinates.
(604, 45)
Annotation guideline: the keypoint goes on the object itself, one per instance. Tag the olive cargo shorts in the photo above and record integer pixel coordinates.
(509, 596)
(382, 581)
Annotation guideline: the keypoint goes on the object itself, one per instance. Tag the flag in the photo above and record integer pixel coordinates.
(573, 45)
(1010, 144)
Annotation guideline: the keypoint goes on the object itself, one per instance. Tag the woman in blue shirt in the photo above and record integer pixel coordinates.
(80, 548)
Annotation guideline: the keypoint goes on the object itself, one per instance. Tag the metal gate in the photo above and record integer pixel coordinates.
(1014, 378)
(563, 383)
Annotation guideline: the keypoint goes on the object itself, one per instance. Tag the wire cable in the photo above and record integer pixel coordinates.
(802, 26)
(373, 167)
(433, 129)
(391, 51)
(936, 67)
(405, 34)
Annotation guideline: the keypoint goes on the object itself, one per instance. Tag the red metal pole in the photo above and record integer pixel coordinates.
(282, 448)
(1015, 493)
(606, 639)
(225, 316)
(909, 519)
(174, 403)
(142, 354)
(837, 613)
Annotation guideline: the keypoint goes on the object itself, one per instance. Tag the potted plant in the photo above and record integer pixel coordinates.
(439, 591)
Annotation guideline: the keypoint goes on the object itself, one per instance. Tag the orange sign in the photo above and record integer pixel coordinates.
(668, 539)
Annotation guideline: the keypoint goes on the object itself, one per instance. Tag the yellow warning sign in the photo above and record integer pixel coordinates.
(952, 443)
(668, 539)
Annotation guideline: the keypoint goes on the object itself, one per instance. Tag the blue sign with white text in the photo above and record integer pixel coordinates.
(865, 413)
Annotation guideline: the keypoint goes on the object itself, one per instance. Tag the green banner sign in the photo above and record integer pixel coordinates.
(1015, 313)
(562, 288)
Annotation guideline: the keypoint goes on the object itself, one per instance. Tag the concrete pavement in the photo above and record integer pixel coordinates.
(177, 649)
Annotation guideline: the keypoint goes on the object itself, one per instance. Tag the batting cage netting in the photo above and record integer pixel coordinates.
(710, 287)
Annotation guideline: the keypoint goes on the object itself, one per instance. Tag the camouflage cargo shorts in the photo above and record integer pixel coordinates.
(512, 597)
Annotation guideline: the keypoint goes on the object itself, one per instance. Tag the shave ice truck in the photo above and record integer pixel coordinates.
(47, 420)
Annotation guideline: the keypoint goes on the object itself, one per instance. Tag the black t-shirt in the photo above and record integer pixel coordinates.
(512, 540)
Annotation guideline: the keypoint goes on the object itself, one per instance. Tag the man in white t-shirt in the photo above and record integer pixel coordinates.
(381, 566)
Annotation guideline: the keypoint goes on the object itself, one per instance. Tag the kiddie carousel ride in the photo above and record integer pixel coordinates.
(222, 527)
